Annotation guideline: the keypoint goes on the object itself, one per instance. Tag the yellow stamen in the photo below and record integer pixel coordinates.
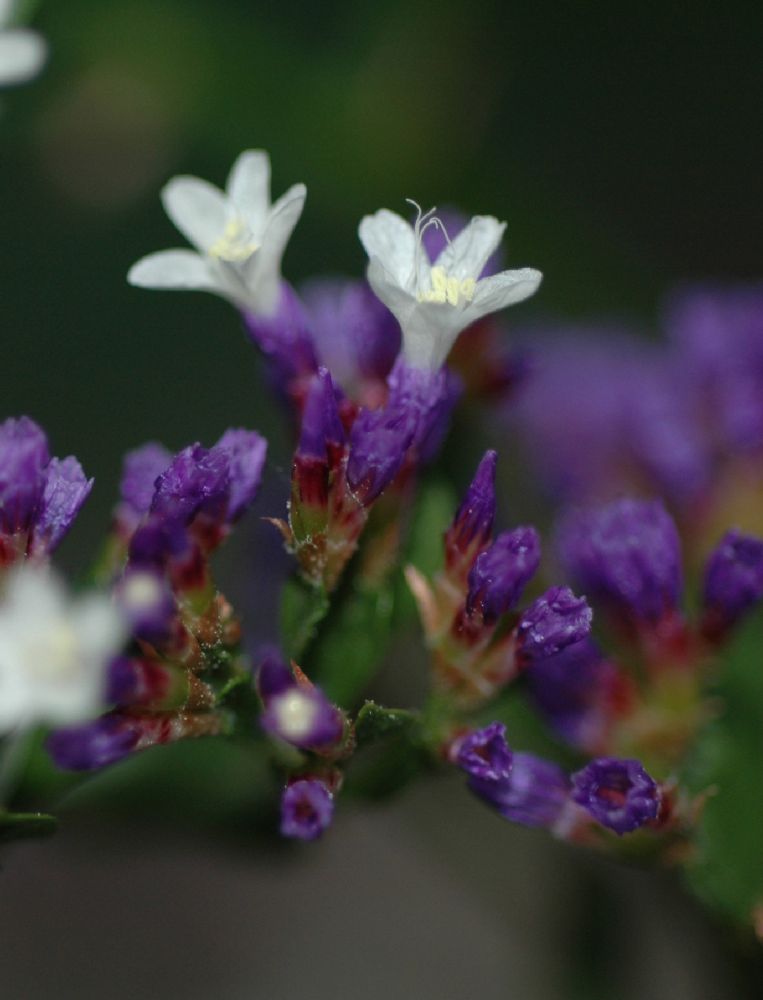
(446, 288)
(233, 244)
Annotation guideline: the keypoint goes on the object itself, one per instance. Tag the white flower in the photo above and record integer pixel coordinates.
(22, 52)
(434, 303)
(240, 237)
(53, 650)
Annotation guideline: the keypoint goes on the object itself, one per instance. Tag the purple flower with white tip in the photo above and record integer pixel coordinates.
(535, 793)
(619, 794)
(733, 580)
(627, 554)
(307, 808)
(554, 621)
(434, 302)
(485, 753)
(500, 573)
(302, 716)
(147, 602)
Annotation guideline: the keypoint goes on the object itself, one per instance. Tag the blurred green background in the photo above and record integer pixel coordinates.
(622, 145)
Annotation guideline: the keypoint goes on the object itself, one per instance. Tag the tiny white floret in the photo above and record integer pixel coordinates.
(434, 302)
(22, 52)
(239, 236)
(295, 713)
(54, 650)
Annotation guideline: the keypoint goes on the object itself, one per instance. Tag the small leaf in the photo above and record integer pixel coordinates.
(23, 826)
(374, 723)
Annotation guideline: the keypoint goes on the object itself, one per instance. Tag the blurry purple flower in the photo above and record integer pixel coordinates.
(554, 621)
(307, 808)
(500, 573)
(485, 754)
(619, 794)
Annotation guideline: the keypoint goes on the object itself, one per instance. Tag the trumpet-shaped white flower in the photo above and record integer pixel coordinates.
(53, 650)
(240, 238)
(434, 302)
(22, 52)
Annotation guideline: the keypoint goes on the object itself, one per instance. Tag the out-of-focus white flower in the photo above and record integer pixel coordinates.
(53, 650)
(240, 237)
(22, 52)
(433, 303)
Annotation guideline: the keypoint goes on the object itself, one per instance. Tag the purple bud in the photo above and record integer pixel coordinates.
(552, 622)
(302, 716)
(619, 794)
(534, 794)
(246, 451)
(321, 425)
(92, 745)
(379, 441)
(140, 470)
(627, 554)
(284, 338)
(66, 489)
(355, 336)
(23, 457)
(500, 573)
(307, 808)
(473, 524)
(146, 599)
(733, 578)
(157, 541)
(485, 754)
(196, 481)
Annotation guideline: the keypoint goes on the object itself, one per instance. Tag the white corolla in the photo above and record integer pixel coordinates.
(434, 302)
(22, 52)
(54, 650)
(239, 236)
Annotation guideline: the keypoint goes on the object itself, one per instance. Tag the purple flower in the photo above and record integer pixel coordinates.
(321, 426)
(273, 676)
(500, 573)
(140, 470)
(354, 335)
(40, 496)
(733, 578)
(552, 622)
(66, 489)
(577, 691)
(246, 451)
(619, 794)
(473, 524)
(627, 554)
(307, 808)
(23, 458)
(92, 745)
(485, 754)
(196, 481)
(534, 794)
(284, 338)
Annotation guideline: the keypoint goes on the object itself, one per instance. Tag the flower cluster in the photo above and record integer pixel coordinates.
(183, 655)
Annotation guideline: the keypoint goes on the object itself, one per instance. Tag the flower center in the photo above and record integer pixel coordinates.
(443, 287)
(235, 244)
(296, 715)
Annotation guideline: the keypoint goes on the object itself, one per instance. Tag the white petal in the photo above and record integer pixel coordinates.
(469, 252)
(391, 239)
(387, 289)
(6, 9)
(198, 209)
(248, 188)
(505, 289)
(22, 54)
(173, 269)
(264, 267)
